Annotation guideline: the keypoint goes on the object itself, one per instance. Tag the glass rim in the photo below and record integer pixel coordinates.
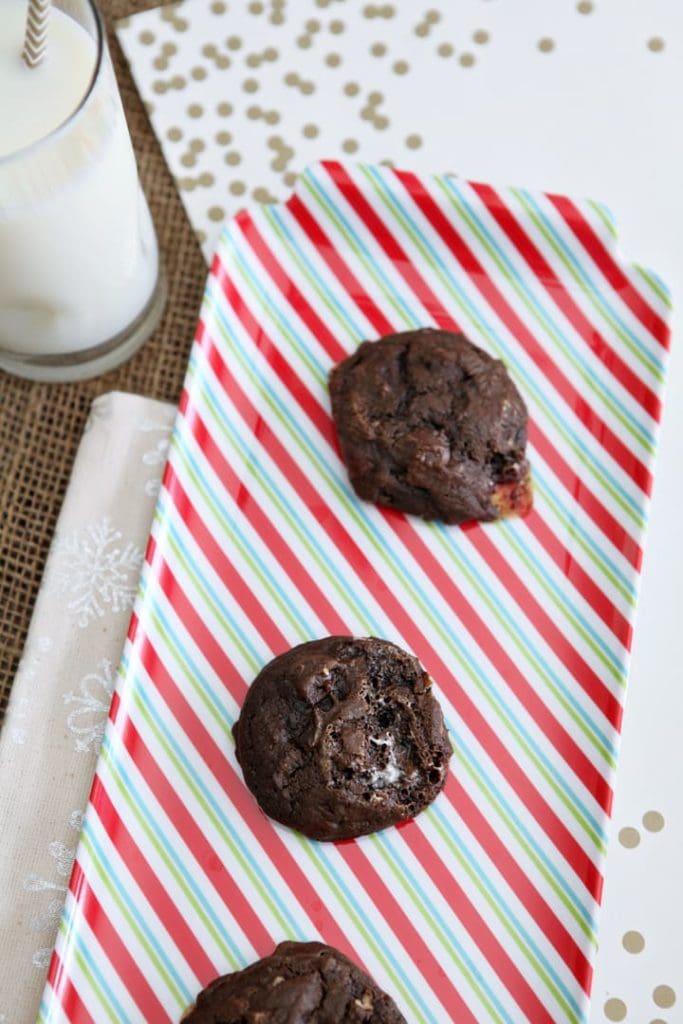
(59, 129)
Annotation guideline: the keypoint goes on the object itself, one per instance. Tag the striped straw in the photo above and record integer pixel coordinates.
(35, 40)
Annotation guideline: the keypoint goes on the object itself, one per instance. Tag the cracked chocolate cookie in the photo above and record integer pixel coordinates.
(430, 424)
(300, 983)
(342, 737)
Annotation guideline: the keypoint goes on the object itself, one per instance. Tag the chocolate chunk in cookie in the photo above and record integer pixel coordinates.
(300, 983)
(342, 737)
(430, 424)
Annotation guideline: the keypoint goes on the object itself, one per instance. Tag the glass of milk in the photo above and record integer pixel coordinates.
(80, 280)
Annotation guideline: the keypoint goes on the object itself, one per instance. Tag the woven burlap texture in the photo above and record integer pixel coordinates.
(41, 424)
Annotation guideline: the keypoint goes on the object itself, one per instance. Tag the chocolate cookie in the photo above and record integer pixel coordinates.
(341, 737)
(430, 424)
(300, 983)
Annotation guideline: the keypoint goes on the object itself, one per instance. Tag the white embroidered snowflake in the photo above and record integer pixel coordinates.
(88, 719)
(28, 669)
(96, 571)
(50, 913)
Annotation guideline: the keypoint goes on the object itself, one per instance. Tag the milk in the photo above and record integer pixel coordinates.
(78, 254)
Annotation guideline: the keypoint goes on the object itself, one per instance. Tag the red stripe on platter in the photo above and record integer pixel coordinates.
(577, 489)
(66, 992)
(577, 404)
(217, 463)
(603, 259)
(320, 418)
(154, 891)
(113, 946)
(564, 301)
(415, 640)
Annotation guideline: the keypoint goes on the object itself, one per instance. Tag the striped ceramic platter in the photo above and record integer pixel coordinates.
(484, 908)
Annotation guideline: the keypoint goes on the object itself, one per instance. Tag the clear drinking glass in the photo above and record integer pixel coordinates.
(81, 286)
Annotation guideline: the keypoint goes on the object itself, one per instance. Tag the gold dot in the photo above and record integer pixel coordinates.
(445, 50)
(351, 88)
(253, 60)
(180, 25)
(160, 63)
(149, 107)
(169, 49)
(422, 30)
(195, 110)
(653, 821)
(209, 50)
(216, 213)
(233, 42)
(222, 62)
(414, 142)
(656, 44)
(187, 184)
(481, 37)
(664, 997)
(159, 86)
(174, 134)
(304, 42)
(271, 117)
(146, 38)
(432, 17)
(256, 7)
(336, 27)
(400, 67)
(322, 3)
(237, 188)
(232, 158)
(381, 122)
(198, 74)
(378, 49)
(629, 837)
(615, 1009)
(633, 942)
(466, 60)
(307, 88)
(250, 85)
(218, 7)
(349, 145)
(291, 78)
(310, 131)
(197, 145)
(178, 81)
(224, 109)
(312, 25)
(584, 7)
(206, 179)
(658, 1020)
(223, 138)
(546, 44)
(289, 179)
(188, 159)
(333, 60)
(277, 19)
(270, 53)
(375, 98)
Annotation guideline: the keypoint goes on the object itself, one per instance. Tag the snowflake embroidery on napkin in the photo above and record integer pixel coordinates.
(96, 571)
(48, 918)
(88, 719)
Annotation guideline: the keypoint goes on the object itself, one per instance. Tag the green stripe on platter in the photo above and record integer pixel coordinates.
(437, 931)
(406, 583)
(651, 281)
(605, 216)
(592, 381)
(129, 917)
(102, 997)
(509, 925)
(492, 800)
(597, 304)
(541, 399)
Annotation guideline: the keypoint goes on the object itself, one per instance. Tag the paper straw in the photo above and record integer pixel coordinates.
(35, 40)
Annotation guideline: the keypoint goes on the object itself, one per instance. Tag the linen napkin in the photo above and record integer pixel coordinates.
(61, 694)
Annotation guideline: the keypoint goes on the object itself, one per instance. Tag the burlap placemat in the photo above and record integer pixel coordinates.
(41, 424)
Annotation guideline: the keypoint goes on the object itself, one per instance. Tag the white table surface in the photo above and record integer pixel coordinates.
(598, 114)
